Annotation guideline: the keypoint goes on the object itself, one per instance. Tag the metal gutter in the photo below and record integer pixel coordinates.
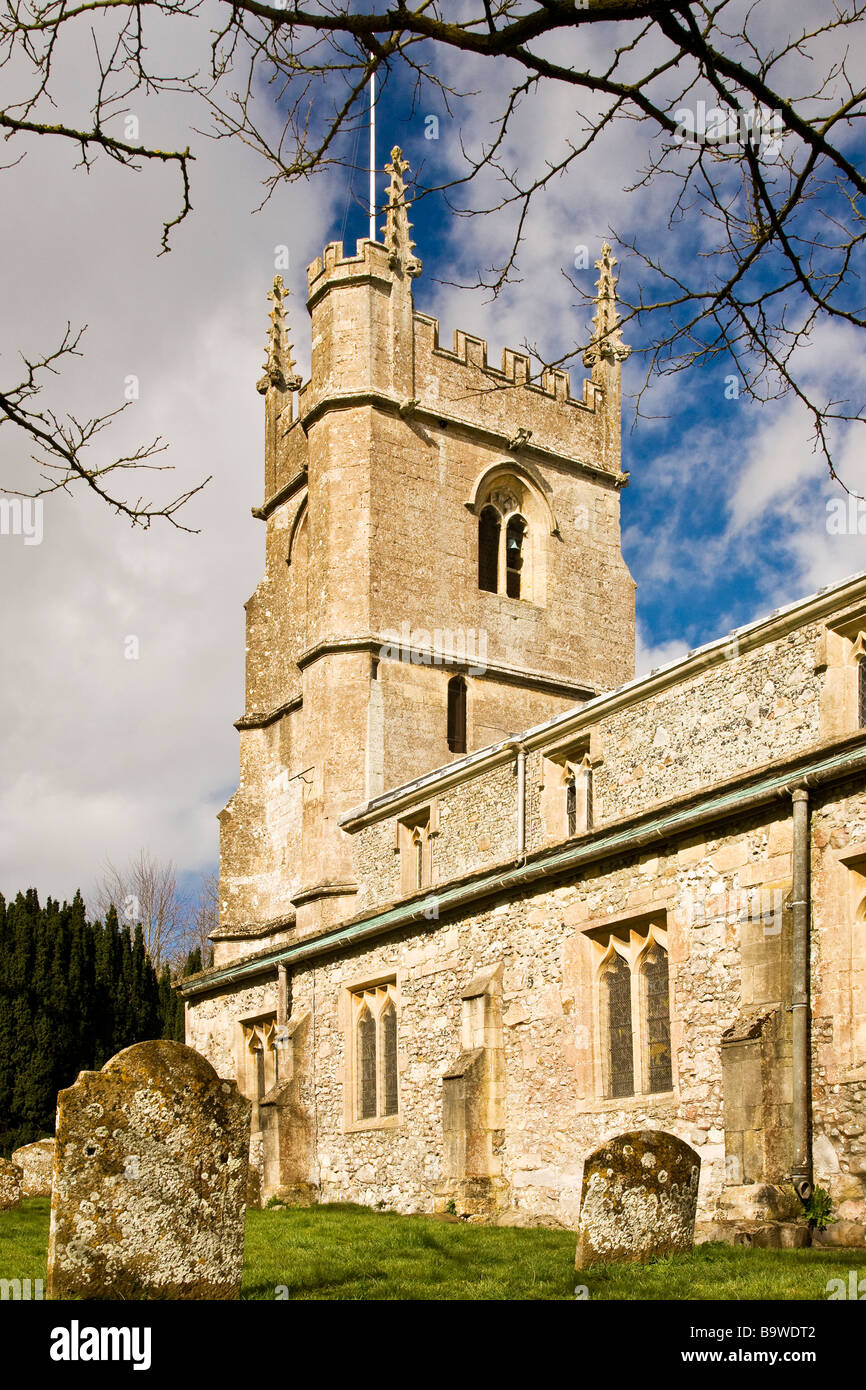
(620, 840)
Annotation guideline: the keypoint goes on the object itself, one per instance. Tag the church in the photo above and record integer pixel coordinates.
(486, 899)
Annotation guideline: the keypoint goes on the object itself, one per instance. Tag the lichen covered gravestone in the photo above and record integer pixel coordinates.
(150, 1180)
(36, 1162)
(639, 1198)
(10, 1185)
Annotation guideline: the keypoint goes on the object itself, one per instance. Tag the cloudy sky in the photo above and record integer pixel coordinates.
(725, 517)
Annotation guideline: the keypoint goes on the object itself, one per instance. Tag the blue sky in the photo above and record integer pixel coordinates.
(703, 561)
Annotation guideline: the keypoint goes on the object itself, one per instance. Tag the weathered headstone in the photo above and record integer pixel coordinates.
(150, 1180)
(639, 1198)
(10, 1185)
(36, 1162)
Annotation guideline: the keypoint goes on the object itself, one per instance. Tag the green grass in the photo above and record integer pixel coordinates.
(349, 1252)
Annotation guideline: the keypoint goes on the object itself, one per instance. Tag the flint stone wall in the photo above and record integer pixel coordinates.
(150, 1180)
(740, 713)
(721, 962)
(638, 1199)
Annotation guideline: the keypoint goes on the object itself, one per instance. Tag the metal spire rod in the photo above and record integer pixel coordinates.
(372, 153)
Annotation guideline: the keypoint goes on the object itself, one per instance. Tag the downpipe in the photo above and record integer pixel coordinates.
(521, 804)
(801, 1168)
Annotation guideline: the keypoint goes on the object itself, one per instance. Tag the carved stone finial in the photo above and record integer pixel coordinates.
(279, 363)
(397, 225)
(607, 344)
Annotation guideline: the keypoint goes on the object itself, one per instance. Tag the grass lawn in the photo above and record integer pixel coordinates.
(348, 1252)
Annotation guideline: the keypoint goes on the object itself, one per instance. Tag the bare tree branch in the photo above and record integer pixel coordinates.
(765, 203)
(146, 891)
(62, 441)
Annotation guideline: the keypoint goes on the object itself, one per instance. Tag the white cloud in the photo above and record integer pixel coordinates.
(104, 755)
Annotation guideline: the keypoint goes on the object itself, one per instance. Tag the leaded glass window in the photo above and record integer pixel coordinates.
(861, 693)
(657, 1020)
(366, 1065)
(620, 1046)
(571, 803)
(375, 1049)
(389, 1059)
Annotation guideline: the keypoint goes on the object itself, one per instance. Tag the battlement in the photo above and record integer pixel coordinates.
(371, 261)
(369, 343)
(471, 351)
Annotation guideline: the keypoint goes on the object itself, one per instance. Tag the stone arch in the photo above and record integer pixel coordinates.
(528, 478)
(296, 527)
(518, 498)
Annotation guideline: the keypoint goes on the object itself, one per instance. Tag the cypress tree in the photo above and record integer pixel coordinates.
(72, 994)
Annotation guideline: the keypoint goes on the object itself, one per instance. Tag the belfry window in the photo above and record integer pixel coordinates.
(457, 714)
(514, 537)
(489, 527)
(374, 1045)
(513, 519)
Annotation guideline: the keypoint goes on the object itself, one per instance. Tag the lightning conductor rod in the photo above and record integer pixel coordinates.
(372, 153)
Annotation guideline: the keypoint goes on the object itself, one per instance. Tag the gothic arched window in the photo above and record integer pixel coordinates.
(457, 714)
(373, 1050)
(861, 693)
(657, 1019)
(616, 984)
(389, 1058)
(489, 525)
(571, 802)
(259, 1052)
(418, 838)
(366, 1064)
(515, 535)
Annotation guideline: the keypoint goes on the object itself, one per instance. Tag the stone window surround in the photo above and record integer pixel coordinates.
(423, 822)
(853, 857)
(258, 1033)
(841, 650)
(631, 937)
(512, 490)
(580, 758)
(352, 1001)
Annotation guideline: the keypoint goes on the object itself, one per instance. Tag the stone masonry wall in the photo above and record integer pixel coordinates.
(743, 711)
(722, 961)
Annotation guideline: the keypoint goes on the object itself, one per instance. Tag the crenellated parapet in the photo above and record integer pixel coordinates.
(516, 368)
(528, 412)
(372, 348)
(335, 269)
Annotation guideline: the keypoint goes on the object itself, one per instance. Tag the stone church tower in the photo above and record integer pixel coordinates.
(443, 569)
